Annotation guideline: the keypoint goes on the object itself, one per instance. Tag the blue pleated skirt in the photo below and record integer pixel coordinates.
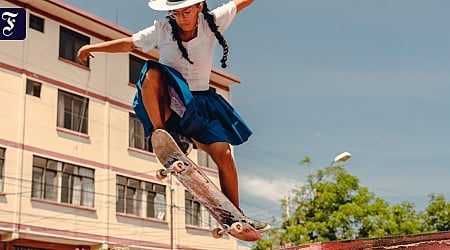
(201, 115)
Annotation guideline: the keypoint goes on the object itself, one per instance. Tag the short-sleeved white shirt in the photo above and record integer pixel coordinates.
(200, 49)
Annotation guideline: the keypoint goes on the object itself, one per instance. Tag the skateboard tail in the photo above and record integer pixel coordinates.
(248, 233)
(162, 152)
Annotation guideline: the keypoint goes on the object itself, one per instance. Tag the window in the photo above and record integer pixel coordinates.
(33, 88)
(77, 185)
(205, 160)
(37, 23)
(2, 164)
(156, 201)
(140, 198)
(73, 112)
(193, 210)
(136, 64)
(137, 135)
(62, 182)
(69, 43)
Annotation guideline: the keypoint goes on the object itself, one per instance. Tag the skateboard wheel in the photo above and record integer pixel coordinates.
(160, 174)
(237, 227)
(178, 166)
(217, 233)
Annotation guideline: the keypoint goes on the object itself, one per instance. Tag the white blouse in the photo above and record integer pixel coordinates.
(200, 49)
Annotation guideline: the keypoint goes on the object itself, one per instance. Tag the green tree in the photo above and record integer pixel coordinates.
(403, 219)
(437, 214)
(332, 205)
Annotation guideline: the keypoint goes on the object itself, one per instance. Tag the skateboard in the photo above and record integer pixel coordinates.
(175, 162)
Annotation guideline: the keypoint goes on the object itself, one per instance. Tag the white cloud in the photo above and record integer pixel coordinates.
(268, 189)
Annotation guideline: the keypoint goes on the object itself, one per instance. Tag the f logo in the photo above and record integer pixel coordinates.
(13, 24)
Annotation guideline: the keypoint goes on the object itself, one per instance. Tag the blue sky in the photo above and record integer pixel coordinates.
(322, 77)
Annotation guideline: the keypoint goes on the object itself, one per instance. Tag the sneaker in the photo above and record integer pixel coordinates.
(258, 225)
(185, 144)
(261, 227)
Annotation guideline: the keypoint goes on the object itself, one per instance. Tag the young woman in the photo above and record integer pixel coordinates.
(174, 94)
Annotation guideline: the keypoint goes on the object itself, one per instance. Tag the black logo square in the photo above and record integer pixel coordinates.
(13, 24)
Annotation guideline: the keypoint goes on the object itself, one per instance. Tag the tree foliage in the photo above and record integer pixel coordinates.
(437, 214)
(332, 205)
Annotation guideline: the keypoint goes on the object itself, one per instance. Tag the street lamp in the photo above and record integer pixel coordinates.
(341, 157)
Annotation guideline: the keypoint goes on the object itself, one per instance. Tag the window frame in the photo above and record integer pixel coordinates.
(79, 122)
(77, 177)
(193, 210)
(133, 197)
(48, 182)
(36, 23)
(33, 88)
(70, 42)
(134, 68)
(136, 134)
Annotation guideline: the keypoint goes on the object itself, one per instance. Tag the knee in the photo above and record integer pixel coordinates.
(224, 156)
(152, 80)
(226, 153)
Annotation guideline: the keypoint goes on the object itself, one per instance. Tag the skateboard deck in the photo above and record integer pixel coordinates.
(201, 187)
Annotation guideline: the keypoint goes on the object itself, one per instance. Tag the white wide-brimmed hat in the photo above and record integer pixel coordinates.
(171, 4)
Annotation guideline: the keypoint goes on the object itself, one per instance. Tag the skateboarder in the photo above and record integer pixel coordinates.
(174, 94)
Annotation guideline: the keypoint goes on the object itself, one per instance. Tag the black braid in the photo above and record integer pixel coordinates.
(176, 37)
(212, 25)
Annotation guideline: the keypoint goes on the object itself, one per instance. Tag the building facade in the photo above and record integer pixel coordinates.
(76, 171)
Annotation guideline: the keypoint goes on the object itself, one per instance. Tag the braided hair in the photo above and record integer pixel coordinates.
(210, 19)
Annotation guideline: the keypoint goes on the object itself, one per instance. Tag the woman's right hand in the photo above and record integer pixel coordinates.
(84, 54)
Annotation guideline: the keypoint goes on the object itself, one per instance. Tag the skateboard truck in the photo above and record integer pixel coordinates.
(177, 167)
(235, 228)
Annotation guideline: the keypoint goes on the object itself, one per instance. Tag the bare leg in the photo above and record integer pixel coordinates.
(221, 155)
(156, 98)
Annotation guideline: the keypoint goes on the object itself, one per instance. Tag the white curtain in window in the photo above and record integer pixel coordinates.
(60, 109)
(130, 194)
(88, 192)
(131, 135)
(37, 183)
(76, 190)
(138, 202)
(50, 185)
(160, 201)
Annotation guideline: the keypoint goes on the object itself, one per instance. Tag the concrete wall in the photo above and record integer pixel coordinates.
(431, 241)
(28, 127)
